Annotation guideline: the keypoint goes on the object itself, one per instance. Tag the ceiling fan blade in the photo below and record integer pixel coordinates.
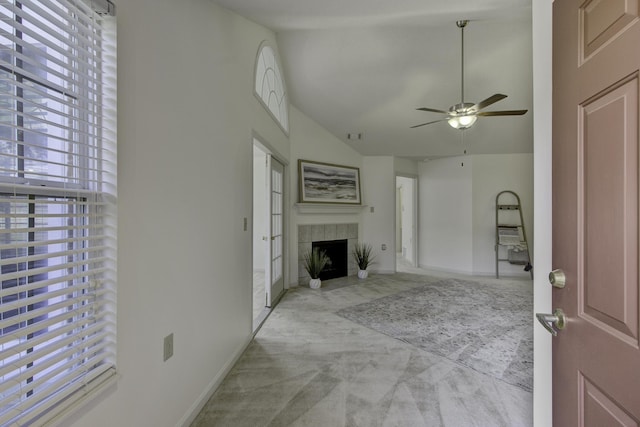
(490, 100)
(502, 113)
(428, 123)
(433, 110)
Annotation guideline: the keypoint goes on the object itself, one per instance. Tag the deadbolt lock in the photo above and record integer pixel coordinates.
(557, 278)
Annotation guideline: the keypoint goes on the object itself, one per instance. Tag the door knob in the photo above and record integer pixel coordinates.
(557, 278)
(557, 319)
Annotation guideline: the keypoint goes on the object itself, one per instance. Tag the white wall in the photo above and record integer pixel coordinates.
(186, 111)
(405, 167)
(310, 141)
(379, 186)
(446, 221)
(457, 210)
(491, 175)
(185, 128)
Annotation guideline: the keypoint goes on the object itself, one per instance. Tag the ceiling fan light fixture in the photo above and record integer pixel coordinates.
(462, 122)
(465, 114)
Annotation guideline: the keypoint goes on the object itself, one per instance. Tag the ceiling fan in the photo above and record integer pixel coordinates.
(465, 114)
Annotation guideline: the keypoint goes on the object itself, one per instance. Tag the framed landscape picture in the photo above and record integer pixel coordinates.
(327, 183)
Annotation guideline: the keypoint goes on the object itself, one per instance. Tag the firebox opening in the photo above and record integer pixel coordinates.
(336, 250)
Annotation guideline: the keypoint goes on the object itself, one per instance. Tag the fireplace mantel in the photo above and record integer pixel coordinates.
(328, 208)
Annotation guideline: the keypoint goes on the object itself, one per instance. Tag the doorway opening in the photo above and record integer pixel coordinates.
(406, 222)
(268, 232)
(260, 215)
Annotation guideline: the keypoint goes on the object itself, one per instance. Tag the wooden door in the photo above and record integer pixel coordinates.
(596, 358)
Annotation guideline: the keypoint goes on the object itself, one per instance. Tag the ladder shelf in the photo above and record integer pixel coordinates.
(511, 238)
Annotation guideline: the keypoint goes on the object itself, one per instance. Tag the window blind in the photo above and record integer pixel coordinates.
(57, 205)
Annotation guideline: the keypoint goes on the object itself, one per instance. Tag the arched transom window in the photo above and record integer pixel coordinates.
(270, 86)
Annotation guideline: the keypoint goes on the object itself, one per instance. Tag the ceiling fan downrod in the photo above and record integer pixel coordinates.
(461, 24)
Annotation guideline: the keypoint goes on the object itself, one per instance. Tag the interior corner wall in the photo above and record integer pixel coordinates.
(310, 141)
(446, 221)
(491, 175)
(457, 210)
(379, 194)
(405, 167)
(186, 120)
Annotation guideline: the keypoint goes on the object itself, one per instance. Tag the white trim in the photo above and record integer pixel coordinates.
(542, 24)
(191, 414)
(415, 214)
(258, 96)
(327, 208)
(447, 270)
(382, 272)
(262, 144)
(63, 413)
(268, 148)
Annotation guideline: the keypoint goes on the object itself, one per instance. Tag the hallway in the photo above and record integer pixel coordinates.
(308, 366)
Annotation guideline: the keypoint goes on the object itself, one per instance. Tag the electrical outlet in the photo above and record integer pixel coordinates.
(168, 347)
(383, 247)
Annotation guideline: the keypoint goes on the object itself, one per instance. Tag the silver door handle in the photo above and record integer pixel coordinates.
(557, 319)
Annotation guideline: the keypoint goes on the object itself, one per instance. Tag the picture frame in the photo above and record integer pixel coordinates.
(328, 183)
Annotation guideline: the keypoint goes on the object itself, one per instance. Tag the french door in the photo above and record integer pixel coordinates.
(274, 278)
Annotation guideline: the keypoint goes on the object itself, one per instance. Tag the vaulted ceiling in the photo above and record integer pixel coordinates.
(364, 66)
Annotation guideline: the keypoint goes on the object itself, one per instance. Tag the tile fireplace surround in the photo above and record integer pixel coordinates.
(309, 233)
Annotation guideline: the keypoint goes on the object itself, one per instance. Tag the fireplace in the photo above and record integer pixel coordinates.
(336, 250)
(309, 235)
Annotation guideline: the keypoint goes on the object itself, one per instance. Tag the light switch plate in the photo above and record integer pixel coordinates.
(168, 346)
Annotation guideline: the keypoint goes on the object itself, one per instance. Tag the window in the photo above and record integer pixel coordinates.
(57, 205)
(270, 86)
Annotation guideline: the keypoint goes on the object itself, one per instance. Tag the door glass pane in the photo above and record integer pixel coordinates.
(276, 225)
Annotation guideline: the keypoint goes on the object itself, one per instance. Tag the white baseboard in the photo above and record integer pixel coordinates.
(446, 270)
(508, 274)
(211, 388)
(383, 271)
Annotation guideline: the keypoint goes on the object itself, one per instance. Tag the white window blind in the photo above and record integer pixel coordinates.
(270, 88)
(57, 205)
